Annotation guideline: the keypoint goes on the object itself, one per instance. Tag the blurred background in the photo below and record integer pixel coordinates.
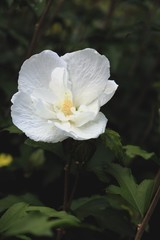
(127, 32)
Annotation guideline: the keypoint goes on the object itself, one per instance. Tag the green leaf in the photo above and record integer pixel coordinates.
(138, 196)
(112, 141)
(114, 220)
(99, 162)
(16, 211)
(144, 193)
(51, 147)
(133, 151)
(12, 129)
(12, 199)
(31, 223)
(21, 219)
(86, 206)
(105, 216)
(22, 237)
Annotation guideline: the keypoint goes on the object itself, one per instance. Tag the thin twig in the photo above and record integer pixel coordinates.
(148, 215)
(40, 23)
(38, 27)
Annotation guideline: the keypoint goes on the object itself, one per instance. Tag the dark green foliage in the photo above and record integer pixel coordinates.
(138, 196)
(21, 219)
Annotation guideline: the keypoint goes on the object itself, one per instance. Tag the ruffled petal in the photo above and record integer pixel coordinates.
(24, 116)
(90, 130)
(88, 72)
(108, 93)
(85, 114)
(36, 71)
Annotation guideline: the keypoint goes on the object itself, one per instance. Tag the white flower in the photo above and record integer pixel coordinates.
(60, 97)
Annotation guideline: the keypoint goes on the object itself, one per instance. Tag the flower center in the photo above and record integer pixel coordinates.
(66, 106)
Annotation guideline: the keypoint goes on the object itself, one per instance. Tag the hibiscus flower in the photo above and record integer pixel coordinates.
(60, 97)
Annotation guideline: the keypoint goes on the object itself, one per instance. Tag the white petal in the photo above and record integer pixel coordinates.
(90, 130)
(36, 71)
(85, 114)
(44, 94)
(82, 118)
(64, 126)
(59, 82)
(14, 97)
(108, 92)
(88, 72)
(39, 129)
(43, 110)
(61, 117)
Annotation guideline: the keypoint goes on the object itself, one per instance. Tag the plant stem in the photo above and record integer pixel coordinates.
(74, 188)
(148, 215)
(38, 27)
(67, 200)
(66, 186)
(60, 231)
